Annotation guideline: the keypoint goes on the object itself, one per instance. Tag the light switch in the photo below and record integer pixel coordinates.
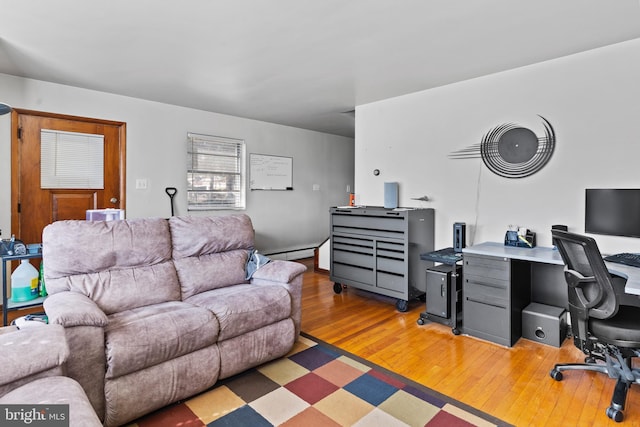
(141, 184)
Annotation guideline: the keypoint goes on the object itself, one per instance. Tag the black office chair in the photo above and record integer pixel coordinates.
(606, 331)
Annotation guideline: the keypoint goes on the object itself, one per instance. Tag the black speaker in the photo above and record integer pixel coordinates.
(459, 236)
(558, 227)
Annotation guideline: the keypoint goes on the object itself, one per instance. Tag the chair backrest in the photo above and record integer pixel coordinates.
(591, 292)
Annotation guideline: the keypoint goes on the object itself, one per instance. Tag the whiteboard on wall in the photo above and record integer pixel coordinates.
(270, 172)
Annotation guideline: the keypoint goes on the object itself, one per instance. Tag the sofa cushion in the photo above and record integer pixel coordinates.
(146, 336)
(124, 289)
(211, 271)
(131, 396)
(45, 346)
(56, 390)
(244, 308)
(197, 236)
(256, 347)
(118, 264)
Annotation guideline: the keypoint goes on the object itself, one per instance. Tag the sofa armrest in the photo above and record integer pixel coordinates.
(280, 271)
(289, 275)
(84, 324)
(31, 353)
(74, 309)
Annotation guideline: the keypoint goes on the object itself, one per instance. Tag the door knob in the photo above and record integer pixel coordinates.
(113, 200)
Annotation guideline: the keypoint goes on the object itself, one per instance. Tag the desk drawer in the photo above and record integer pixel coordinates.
(483, 291)
(486, 266)
(486, 319)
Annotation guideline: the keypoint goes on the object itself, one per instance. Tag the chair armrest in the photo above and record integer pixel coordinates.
(31, 353)
(74, 309)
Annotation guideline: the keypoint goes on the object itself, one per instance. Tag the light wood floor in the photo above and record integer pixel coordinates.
(512, 384)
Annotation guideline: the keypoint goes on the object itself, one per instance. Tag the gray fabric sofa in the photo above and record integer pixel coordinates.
(32, 373)
(157, 310)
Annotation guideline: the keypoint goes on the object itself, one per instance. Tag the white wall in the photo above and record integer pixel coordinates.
(591, 99)
(156, 151)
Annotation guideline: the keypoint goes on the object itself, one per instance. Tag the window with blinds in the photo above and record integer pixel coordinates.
(215, 172)
(71, 160)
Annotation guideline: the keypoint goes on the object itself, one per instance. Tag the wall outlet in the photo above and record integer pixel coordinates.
(316, 187)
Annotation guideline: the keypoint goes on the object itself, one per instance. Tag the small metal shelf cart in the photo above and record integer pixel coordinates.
(450, 258)
(7, 304)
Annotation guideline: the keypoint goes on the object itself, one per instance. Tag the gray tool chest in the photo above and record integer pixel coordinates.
(378, 250)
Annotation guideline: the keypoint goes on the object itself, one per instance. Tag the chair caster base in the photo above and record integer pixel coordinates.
(556, 375)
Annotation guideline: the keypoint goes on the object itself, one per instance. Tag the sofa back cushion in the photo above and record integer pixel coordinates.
(118, 264)
(210, 252)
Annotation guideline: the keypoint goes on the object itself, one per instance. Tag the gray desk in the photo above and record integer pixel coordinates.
(546, 255)
(500, 281)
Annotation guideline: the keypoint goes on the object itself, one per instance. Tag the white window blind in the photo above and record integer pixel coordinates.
(215, 172)
(71, 160)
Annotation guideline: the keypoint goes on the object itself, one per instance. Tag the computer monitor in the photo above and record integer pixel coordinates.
(614, 212)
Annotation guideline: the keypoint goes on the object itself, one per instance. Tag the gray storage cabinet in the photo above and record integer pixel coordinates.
(495, 291)
(378, 250)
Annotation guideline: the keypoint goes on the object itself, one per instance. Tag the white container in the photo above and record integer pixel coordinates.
(108, 214)
(24, 282)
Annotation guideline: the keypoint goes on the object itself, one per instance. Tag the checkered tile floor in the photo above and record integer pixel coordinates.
(314, 386)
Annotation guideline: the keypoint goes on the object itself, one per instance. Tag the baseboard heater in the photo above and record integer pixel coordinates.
(292, 254)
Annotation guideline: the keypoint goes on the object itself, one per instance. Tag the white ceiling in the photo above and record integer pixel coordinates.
(301, 63)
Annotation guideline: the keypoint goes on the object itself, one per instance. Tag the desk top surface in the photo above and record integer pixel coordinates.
(537, 254)
(552, 256)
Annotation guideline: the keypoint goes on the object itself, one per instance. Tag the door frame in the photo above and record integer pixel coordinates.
(15, 163)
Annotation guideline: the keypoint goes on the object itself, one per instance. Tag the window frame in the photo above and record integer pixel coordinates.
(196, 166)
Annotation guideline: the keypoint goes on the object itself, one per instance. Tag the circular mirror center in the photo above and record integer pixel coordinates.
(518, 145)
